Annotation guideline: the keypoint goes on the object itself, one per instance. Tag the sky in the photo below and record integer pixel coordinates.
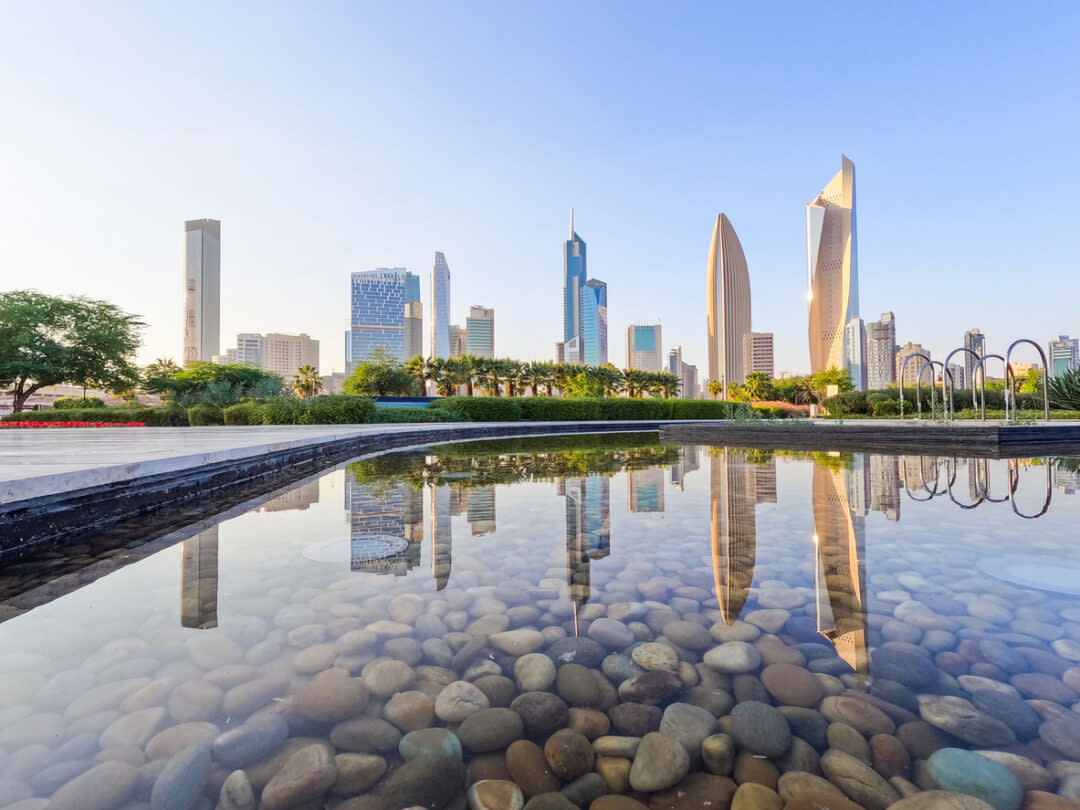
(334, 137)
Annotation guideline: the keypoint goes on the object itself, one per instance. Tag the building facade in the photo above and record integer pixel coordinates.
(881, 352)
(686, 373)
(643, 347)
(727, 305)
(911, 372)
(414, 329)
(976, 342)
(574, 278)
(249, 349)
(284, 354)
(457, 340)
(440, 307)
(202, 290)
(855, 347)
(377, 308)
(480, 332)
(594, 323)
(1064, 355)
(832, 270)
(758, 352)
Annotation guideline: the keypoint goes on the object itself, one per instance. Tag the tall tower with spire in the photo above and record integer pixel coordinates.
(574, 278)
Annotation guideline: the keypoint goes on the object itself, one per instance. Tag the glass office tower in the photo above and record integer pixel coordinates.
(594, 322)
(202, 290)
(377, 307)
(574, 276)
(440, 307)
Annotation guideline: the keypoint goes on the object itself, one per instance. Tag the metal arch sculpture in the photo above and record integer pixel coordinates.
(918, 380)
(947, 392)
(937, 478)
(952, 466)
(1046, 378)
(1014, 484)
(931, 494)
(903, 366)
(982, 473)
(975, 373)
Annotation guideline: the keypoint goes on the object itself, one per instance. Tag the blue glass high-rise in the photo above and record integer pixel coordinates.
(594, 322)
(377, 310)
(574, 277)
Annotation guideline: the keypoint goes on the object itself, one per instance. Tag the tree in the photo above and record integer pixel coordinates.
(380, 374)
(215, 384)
(307, 382)
(1031, 383)
(584, 385)
(637, 382)
(668, 384)
(161, 367)
(610, 379)
(417, 368)
(543, 374)
(758, 386)
(46, 340)
(715, 387)
(821, 381)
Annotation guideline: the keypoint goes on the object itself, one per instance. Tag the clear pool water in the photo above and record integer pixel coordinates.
(615, 621)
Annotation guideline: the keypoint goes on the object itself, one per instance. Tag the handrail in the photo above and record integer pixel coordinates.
(900, 381)
(1045, 381)
(918, 381)
(975, 373)
(952, 481)
(1014, 484)
(947, 389)
(983, 466)
(937, 478)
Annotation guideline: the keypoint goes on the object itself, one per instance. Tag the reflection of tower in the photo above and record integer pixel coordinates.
(765, 481)
(911, 472)
(441, 540)
(588, 531)
(457, 499)
(858, 485)
(378, 543)
(688, 462)
(481, 510)
(413, 513)
(733, 528)
(300, 498)
(839, 573)
(885, 486)
(199, 580)
(646, 489)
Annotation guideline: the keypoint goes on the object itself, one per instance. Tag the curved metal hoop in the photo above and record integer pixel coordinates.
(933, 389)
(937, 478)
(982, 481)
(1045, 384)
(1014, 483)
(952, 481)
(903, 366)
(975, 373)
(947, 390)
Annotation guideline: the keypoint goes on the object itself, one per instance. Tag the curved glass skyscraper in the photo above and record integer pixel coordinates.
(440, 307)
(574, 277)
(727, 304)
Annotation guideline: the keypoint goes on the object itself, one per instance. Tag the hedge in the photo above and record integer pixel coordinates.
(854, 403)
(246, 413)
(566, 409)
(332, 409)
(481, 409)
(406, 414)
(159, 416)
(70, 403)
(205, 414)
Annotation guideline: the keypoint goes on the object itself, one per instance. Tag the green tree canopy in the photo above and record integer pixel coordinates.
(821, 381)
(758, 386)
(212, 383)
(381, 374)
(48, 340)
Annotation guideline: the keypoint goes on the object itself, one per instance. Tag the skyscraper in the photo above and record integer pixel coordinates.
(414, 328)
(727, 305)
(1064, 355)
(249, 349)
(881, 352)
(645, 489)
(377, 305)
(976, 341)
(758, 352)
(574, 277)
(457, 340)
(480, 332)
(440, 307)
(284, 354)
(911, 373)
(643, 347)
(855, 349)
(832, 267)
(202, 290)
(594, 323)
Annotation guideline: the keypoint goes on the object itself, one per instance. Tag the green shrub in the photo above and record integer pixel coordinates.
(70, 403)
(165, 416)
(769, 411)
(715, 409)
(615, 408)
(336, 409)
(205, 414)
(406, 415)
(245, 413)
(849, 403)
(481, 409)
(887, 407)
(153, 416)
(282, 411)
(559, 409)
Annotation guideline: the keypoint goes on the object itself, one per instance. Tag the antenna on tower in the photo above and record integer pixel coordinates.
(571, 223)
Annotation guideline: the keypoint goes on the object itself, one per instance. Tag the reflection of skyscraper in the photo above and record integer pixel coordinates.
(688, 462)
(765, 481)
(456, 499)
(839, 573)
(481, 510)
(858, 485)
(646, 490)
(199, 580)
(378, 543)
(300, 498)
(733, 529)
(885, 486)
(441, 540)
(911, 472)
(1066, 481)
(413, 513)
(588, 530)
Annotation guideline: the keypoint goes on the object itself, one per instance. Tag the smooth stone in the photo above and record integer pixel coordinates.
(236, 793)
(356, 773)
(181, 780)
(613, 746)
(172, 740)
(251, 741)
(103, 787)
(688, 635)
(1031, 775)
(733, 657)
(889, 756)
(584, 790)
(1044, 687)
(793, 685)
(961, 719)
(807, 724)
(1011, 710)
(859, 714)
(430, 742)
(529, 768)
(305, 778)
(737, 631)
(458, 700)
(518, 642)
(688, 724)
(490, 730)
(541, 712)
(754, 796)
(133, 729)
(618, 667)
(577, 685)
(1063, 734)
(659, 763)
(534, 672)
(635, 719)
(612, 802)
(801, 783)
(332, 696)
(385, 676)
(843, 737)
(611, 633)
(245, 698)
(212, 650)
(495, 794)
(569, 754)
(751, 767)
(592, 723)
(578, 650)
(760, 728)
(195, 701)
(965, 771)
(365, 735)
(653, 688)
(914, 671)
(498, 689)
(410, 711)
(940, 800)
(550, 801)
(860, 782)
(428, 782)
(718, 753)
(655, 656)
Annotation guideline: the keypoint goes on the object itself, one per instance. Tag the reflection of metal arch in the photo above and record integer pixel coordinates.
(974, 374)
(930, 493)
(1014, 484)
(982, 480)
(903, 366)
(951, 463)
(947, 390)
(933, 389)
(937, 479)
(1046, 378)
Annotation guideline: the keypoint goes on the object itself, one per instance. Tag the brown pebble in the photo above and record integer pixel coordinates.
(696, 791)
(889, 756)
(616, 773)
(569, 753)
(752, 768)
(488, 766)
(617, 803)
(589, 722)
(530, 769)
(753, 796)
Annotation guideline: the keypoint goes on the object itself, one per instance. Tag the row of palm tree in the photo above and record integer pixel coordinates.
(499, 376)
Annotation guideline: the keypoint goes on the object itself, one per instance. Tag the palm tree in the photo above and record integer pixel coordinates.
(715, 387)
(463, 370)
(543, 374)
(307, 382)
(609, 377)
(417, 369)
(637, 381)
(443, 375)
(668, 384)
(516, 375)
(162, 367)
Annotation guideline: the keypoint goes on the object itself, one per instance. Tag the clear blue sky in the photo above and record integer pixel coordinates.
(334, 137)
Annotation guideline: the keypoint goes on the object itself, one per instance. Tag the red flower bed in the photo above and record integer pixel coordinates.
(69, 424)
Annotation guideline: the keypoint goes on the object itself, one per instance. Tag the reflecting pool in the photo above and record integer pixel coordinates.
(596, 622)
